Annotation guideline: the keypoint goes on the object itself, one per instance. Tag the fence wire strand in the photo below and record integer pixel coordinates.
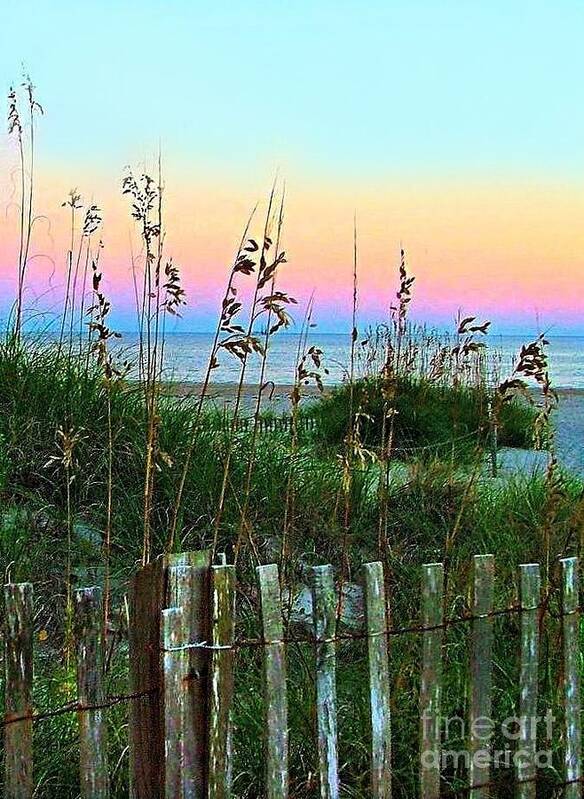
(252, 643)
(76, 707)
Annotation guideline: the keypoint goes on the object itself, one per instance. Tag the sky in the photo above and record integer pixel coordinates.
(453, 129)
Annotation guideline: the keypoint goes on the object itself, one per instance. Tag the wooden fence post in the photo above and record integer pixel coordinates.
(175, 665)
(18, 758)
(188, 588)
(275, 687)
(324, 613)
(191, 769)
(146, 717)
(93, 760)
(222, 661)
(571, 646)
(528, 677)
(431, 681)
(377, 646)
(149, 596)
(481, 656)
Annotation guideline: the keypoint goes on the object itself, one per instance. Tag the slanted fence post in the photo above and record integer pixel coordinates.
(571, 646)
(188, 588)
(324, 613)
(530, 586)
(222, 662)
(431, 681)
(275, 683)
(93, 760)
(380, 712)
(18, 598)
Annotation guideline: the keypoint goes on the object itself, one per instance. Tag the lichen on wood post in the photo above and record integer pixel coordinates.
(324, 612)
(379, 692)
(275, 683)
(221, 696)
(481, 667)
(188, 588)
(18, 660)
(93, 760)
(571, 647)
(175, 664)
(431, 679)
(529, 595)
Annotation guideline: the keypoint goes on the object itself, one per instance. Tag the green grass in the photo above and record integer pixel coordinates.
(434, 416)
(41, 392)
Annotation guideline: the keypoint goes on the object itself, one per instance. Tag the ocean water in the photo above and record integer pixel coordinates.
(566, 357)
(186, 356)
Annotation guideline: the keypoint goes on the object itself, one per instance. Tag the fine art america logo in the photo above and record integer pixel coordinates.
(516, 737)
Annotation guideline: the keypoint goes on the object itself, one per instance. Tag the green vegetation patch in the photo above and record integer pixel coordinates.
(418, 414)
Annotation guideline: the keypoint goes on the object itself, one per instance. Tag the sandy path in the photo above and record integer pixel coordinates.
(570, 429)
(275, 397)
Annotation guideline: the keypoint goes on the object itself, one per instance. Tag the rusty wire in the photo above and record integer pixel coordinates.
(250, 643)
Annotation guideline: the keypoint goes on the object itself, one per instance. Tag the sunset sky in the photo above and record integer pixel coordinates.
(455, 129)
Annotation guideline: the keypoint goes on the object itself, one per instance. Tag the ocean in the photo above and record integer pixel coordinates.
(186, 357)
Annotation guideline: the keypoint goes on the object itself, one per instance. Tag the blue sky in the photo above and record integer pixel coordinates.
(407, 87)
(453, 128)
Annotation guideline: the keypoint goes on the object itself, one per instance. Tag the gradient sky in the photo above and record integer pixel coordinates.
(453, 128)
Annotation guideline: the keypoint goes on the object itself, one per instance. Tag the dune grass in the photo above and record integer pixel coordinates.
(432, 500)
(436, 416)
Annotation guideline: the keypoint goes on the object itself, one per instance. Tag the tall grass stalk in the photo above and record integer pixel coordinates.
(308, 366)
(349, 449)
(146, 204)
(225, 324)
(81, 323)
(27, 178)
(391, 369)
(99, 327)
(242, 348)
(91, 222)
(74, 204)
(244, 524)
(532, 364)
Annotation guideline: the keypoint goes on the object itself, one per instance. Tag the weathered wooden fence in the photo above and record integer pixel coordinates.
(182, 660)
(275, 424)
